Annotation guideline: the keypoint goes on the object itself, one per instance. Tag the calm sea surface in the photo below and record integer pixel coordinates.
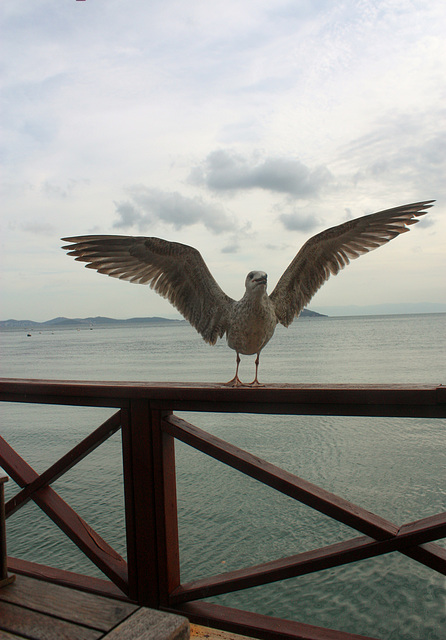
(393, 467)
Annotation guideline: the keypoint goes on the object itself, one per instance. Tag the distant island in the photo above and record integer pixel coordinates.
(81, 323)
(101, 321)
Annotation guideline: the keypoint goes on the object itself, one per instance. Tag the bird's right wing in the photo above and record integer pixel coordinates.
(175, 271)
(330, 251)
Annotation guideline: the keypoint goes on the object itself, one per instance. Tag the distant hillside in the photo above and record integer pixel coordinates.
(57, 323)
(307, 313)
(385, 309)
(98, 321)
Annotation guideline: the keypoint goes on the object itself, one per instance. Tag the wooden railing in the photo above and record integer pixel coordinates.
(151, 574)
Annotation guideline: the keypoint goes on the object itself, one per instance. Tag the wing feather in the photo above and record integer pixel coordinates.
(175, 271)
(328, 252)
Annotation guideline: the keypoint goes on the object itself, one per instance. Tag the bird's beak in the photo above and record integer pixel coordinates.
(262, 280)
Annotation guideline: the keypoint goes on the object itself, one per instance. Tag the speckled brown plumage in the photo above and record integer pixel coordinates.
(179, 273)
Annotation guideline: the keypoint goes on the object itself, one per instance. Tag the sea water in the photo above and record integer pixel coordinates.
(393, 467)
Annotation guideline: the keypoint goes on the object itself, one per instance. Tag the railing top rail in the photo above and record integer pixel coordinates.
(151, 574)
(340, 399)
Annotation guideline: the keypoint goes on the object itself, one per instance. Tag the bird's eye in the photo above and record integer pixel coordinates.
(251, 275)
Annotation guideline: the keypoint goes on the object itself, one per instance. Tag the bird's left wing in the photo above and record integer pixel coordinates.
(175, 271)
(330, 251)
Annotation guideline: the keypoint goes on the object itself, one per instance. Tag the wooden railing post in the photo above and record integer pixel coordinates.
(151, 505)
(140, 503)
(4, 578)
(166, 508)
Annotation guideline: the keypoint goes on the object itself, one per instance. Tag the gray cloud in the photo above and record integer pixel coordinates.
(225, 170)
(404, 149)
(276, 247)
(129, 216)
(428, 221)
(147, 207)
(232, 247)
(53, 190)
(299, 220)
(244, 232)
(38, 228)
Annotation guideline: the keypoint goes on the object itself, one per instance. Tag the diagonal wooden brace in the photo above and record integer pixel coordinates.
(66, 462)
(91, 543)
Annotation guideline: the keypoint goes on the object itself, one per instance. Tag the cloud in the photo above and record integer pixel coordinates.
(232, 247)
(129, 216)
(38, 228)
(406, 149)
(148, 207)
(225, 170)
(298, 221)
(53, 190)
(427, 222)
(276, 247)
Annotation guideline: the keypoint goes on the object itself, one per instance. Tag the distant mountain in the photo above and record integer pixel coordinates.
(98, 321)
(307, 313)
(384, 309)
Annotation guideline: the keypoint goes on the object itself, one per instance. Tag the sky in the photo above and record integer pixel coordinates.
(241, 128)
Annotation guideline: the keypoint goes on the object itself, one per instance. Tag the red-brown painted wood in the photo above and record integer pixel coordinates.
(283, 481)
(150, 492)
(78, 581)
(317, 560)
(166, 509)
(104, 556)
(4, 578)
(140, 504)
(66, 462)
(315, 399)
(129, 504)
(259, 626)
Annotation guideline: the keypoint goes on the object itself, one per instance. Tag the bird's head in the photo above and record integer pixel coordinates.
(256, 281)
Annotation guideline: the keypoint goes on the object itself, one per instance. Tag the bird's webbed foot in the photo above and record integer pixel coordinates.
(235, 382)
(255, 383)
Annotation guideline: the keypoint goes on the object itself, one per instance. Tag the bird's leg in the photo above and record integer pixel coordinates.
(236, 382)
(255, 382)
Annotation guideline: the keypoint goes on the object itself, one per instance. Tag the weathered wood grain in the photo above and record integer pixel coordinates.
(90, 610)
(38, 626)
(78, 581)
(148, 624)
(4, 635)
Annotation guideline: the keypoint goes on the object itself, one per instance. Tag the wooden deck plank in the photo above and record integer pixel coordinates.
(38, 626)
(4, 635)
(37, 610)
(89, 610)
(150, 624)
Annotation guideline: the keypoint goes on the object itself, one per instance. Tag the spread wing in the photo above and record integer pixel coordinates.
(175, 271)
(330, 251)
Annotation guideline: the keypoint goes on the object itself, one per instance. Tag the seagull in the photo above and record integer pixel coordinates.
(178, 272)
